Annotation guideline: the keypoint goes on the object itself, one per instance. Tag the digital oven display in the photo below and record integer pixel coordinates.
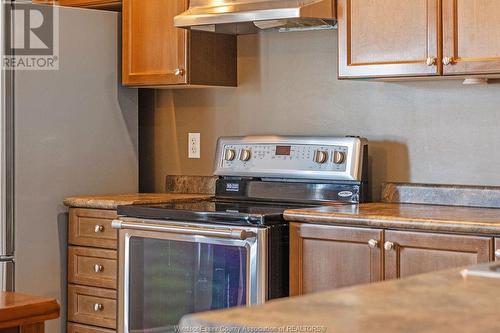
(283, 150)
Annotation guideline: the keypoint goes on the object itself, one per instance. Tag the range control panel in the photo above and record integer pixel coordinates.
(291, 157)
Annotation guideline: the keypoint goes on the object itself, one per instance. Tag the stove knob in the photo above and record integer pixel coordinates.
(321, 156)
(245, 155)
(338, 157)
(229, 154)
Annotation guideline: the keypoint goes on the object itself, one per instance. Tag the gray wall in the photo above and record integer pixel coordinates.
(76, 133)
(426, 131)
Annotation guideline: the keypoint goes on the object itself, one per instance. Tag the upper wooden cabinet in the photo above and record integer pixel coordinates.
(416, 38)
(326, 257)
(387, 38)
(94, 4)
(471, 36)
(157, 54)
(410, 253)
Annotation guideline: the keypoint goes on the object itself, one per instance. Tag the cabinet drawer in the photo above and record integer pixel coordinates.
(77, 328)
(92, 227)
(93, 306)
(92, 267)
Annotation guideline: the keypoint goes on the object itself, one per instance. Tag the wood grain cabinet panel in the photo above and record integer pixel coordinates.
(156, 53)
(92, 227)
(97, 4)
(92, 267)
(410, 253)
(388, 38)
(326, 257)
(77, 328)
(471, 36)
(92, 306)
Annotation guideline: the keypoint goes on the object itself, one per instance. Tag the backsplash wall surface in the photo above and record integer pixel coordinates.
(425, 131)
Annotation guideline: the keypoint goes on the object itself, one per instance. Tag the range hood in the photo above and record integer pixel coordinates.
(249, 16)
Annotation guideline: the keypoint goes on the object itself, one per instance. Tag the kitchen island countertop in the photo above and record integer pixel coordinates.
(422, 217)
(25, 312)
(434, 302)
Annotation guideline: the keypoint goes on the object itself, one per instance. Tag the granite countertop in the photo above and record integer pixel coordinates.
(112, 201)
(404, 216)
(435, 302)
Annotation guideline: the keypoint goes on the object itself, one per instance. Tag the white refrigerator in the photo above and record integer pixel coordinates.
(69, 131)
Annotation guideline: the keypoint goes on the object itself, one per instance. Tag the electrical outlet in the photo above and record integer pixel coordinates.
(194, 145)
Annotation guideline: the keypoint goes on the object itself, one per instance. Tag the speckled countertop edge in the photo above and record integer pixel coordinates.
(394, 223)
(113, 201)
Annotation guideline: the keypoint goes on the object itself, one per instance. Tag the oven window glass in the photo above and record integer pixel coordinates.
(169, 279)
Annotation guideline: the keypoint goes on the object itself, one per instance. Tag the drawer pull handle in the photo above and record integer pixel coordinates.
(98, 268)
(98, 228)
(98, 307)
(372, 243)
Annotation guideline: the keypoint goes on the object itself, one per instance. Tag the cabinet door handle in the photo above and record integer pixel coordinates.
(447, 61)
(179, 72)
(98, 268)
(497, 254)
(372, 243)
(98, 228)
(98, 307)
(431, 61)
(389, 246)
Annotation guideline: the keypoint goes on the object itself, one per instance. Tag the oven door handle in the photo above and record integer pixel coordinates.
(229, 233)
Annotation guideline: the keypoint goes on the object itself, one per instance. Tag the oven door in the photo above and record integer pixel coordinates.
(169, 269)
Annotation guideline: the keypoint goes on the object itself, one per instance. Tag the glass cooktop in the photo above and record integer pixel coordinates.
(213, 211)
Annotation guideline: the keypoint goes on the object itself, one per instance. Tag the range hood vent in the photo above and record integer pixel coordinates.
(250, 16)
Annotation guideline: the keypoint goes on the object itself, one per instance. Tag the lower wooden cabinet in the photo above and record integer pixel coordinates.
(327, 257)
(410, 253)
(92, 271)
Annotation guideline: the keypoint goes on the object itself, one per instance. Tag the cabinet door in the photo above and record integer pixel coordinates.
(471, 36)
(388, 38)
(326, 257)
(154, 51)
(410, 253)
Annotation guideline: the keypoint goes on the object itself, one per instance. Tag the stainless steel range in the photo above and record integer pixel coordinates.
(232, 250)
